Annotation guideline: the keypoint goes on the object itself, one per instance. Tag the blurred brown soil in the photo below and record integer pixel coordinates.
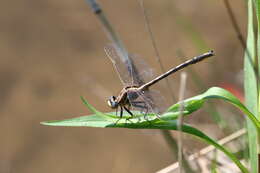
(52, 53)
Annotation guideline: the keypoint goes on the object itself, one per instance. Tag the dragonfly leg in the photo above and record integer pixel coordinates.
(127, 110)
(121, 112)
(145, 115)
(116, 111)
(129, 106)
(144, 109)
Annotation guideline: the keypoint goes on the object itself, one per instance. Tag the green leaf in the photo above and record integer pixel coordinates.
(195, 103)
(190, 105)
(167, 121)
(250, 82)
(100, 121)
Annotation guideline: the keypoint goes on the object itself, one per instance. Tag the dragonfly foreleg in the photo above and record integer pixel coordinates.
(121, 112)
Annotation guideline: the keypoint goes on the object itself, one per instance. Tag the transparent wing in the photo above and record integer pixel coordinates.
(146, 102)
(158, 101)
(140, 103)
(141, 70)
(131, 69)
(121, 63)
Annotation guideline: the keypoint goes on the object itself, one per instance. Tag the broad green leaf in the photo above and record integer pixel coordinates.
(195, 103)
(166, 121)
(141, 123)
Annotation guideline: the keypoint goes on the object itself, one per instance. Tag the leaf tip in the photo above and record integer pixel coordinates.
(46, 123)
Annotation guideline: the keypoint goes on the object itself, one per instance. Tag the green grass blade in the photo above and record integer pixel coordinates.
(250, 85)
(257, 10)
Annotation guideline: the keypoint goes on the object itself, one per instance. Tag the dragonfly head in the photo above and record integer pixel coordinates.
(112, 102)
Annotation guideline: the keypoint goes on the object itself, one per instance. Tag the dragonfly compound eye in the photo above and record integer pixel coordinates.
(112, 102)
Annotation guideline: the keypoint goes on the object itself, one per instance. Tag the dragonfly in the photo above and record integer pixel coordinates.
(137, 80)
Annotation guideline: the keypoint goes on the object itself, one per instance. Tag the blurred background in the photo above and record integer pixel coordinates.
(52, 53)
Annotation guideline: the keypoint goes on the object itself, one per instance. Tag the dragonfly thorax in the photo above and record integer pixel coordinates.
(122, 99)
